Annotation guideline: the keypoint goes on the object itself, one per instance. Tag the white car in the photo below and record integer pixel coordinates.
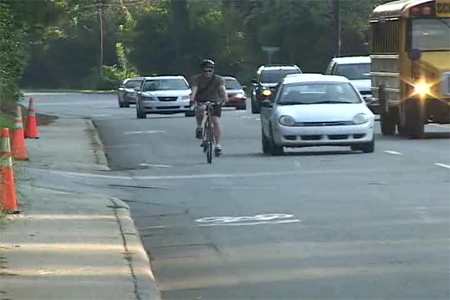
(357, 70)
(316, 110)
(163, 95)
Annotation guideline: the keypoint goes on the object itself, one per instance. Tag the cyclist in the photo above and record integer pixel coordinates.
(208, 86)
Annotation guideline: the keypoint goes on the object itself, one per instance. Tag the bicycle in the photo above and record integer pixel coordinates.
(208, 140)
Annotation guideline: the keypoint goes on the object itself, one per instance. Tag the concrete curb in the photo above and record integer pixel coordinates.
(97, 145)
(144, 281)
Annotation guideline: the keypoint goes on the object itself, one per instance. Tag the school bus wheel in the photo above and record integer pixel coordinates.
(412, 123)
(387, 117)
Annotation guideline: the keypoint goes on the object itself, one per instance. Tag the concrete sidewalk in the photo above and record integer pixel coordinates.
(69, 244)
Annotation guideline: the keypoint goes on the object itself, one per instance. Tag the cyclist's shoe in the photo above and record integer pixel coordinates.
(217, 150)
(199, 133)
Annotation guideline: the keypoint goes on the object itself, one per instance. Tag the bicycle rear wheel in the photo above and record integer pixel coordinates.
(209, 141)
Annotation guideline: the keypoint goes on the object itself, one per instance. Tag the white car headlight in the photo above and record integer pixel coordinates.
(286, 121)
(187, 97)
(240, 95)
(360, 119)
(149, 98)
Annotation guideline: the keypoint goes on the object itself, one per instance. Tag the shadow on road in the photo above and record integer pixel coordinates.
(428, 136)
(437, 135)
(291, 153)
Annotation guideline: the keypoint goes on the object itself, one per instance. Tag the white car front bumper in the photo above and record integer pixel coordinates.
(165, 106)
(341, 135)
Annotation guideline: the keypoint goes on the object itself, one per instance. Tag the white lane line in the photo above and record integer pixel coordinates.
(393, 152)
(442, 165)
(230, 175)
(155, 166)
(262, 174)
(251, 224)
(143, 132)
(68, 102)
(154, 227)
(88, 174)
(100, 115)
(201, 176)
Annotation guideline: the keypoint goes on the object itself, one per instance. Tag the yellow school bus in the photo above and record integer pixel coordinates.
(410, 70)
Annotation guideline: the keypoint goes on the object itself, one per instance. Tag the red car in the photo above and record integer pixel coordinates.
(236, 93)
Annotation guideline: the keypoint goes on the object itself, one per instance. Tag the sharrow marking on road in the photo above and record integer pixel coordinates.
(442, 165)
(143, 132)
(253, 223)
(247, 220)
(393, 152)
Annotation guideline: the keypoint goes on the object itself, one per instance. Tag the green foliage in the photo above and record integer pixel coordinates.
(172, 36)
(12, 55)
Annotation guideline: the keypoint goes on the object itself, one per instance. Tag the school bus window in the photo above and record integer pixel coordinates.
(430, 34)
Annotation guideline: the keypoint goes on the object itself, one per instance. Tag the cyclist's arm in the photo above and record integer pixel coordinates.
(223, 93)
(193, 93)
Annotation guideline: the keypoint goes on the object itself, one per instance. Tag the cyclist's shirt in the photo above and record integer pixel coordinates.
(207, 88)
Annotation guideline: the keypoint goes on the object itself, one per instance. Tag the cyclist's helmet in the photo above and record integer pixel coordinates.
(207, 63)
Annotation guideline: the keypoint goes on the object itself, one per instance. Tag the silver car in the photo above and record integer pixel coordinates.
(316, 110)
(357, 70)
(127, 94)
(163, 95)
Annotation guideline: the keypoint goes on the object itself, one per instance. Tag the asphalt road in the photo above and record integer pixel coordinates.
(317, 223)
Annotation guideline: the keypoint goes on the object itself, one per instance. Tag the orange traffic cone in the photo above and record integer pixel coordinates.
(31, 131)
(8, 200)
(19, 149)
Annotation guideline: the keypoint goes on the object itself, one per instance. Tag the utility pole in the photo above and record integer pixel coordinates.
(337, 15)
(100, 13)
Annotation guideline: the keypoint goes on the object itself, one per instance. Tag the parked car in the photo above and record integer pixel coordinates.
(357, 70)
(163, 95)
(267, 78)
(316, 110)
(235, 92)
(126, 94)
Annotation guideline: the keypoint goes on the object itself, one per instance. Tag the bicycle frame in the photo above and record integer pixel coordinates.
(208, 140)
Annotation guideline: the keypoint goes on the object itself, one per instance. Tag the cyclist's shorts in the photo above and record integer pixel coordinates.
(216, 109)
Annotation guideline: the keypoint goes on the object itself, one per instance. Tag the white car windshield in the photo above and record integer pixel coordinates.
(275, 76)
(164, 85)
(318, 93)
(354, 71)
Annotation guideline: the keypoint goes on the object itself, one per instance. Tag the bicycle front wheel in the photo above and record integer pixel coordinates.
(209, 153)
(209, 140)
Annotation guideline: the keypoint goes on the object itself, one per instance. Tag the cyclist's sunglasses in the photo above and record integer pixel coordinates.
(208, 70)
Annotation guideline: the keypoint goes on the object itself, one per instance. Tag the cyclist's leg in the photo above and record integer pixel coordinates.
(217, 113)
(200, 115)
